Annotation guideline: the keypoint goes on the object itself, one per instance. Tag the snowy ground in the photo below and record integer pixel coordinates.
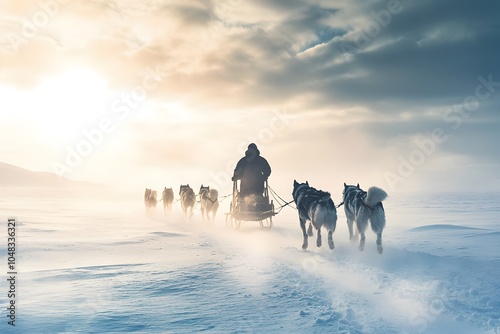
(89, 265)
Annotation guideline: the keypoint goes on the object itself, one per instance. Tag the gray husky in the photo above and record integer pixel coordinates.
(209, 203)
(150, 200)
(168, 198)
(361, 206)
(317, 207)
(188, 200)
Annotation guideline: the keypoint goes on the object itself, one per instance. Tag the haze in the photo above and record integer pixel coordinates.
(399, 94)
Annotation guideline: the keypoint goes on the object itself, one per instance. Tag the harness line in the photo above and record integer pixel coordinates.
(274, 194)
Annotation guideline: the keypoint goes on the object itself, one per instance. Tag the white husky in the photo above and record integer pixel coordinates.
(209, 203)
(361, 206)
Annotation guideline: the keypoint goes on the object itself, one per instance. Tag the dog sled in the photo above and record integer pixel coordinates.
(257, 208)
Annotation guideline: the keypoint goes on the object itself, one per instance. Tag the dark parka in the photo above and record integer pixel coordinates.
(252, 170)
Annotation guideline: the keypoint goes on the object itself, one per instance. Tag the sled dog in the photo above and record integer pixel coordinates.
(168, 198)
(188, 199)
(360, 207)
(317, 207)
(209, 203)
(150, 200)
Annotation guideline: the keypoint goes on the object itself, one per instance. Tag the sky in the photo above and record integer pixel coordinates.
(399, 94)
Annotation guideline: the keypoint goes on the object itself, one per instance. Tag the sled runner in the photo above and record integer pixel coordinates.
(254, 207)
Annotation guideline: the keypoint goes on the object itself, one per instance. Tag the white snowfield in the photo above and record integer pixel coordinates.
(96, 263)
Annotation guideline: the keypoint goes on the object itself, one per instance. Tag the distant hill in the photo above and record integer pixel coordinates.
(13, 176)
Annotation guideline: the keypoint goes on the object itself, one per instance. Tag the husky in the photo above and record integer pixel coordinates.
(188, 200)
(361, 206)
(168, 198)
(209, 203)
(317, 207)
(150, 200)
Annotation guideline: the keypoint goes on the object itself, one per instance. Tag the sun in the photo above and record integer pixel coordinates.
(64, 104)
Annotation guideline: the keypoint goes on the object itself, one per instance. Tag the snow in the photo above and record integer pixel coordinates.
(94, 262)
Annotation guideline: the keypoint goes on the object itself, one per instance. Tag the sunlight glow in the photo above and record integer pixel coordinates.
(62, 105)
(176, 111)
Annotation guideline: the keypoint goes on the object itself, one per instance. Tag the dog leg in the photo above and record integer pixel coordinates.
(214, 212)
(362, 242)
(362, 224)
(303, 227)
(353, 232)
(349, 226)
(380, 249)
(330, 240)
(318, 239)
(310, 230)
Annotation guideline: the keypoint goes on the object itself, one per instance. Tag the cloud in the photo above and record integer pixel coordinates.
(349, 71)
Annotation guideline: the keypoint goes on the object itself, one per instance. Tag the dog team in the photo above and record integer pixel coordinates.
(315, 206)
(208, 201)
(360, 207)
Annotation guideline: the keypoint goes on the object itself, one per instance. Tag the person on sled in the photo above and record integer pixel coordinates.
(253, 170)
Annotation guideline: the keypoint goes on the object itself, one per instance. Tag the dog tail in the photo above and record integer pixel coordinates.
(375, 195)
(325, 199)
(325, 213)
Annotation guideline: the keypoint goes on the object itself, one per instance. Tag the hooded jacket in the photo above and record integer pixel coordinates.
(252, 170)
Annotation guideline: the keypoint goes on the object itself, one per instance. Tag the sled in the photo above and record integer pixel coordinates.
(256, 208)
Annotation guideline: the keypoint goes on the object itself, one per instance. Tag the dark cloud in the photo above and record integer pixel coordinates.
(425, 53)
